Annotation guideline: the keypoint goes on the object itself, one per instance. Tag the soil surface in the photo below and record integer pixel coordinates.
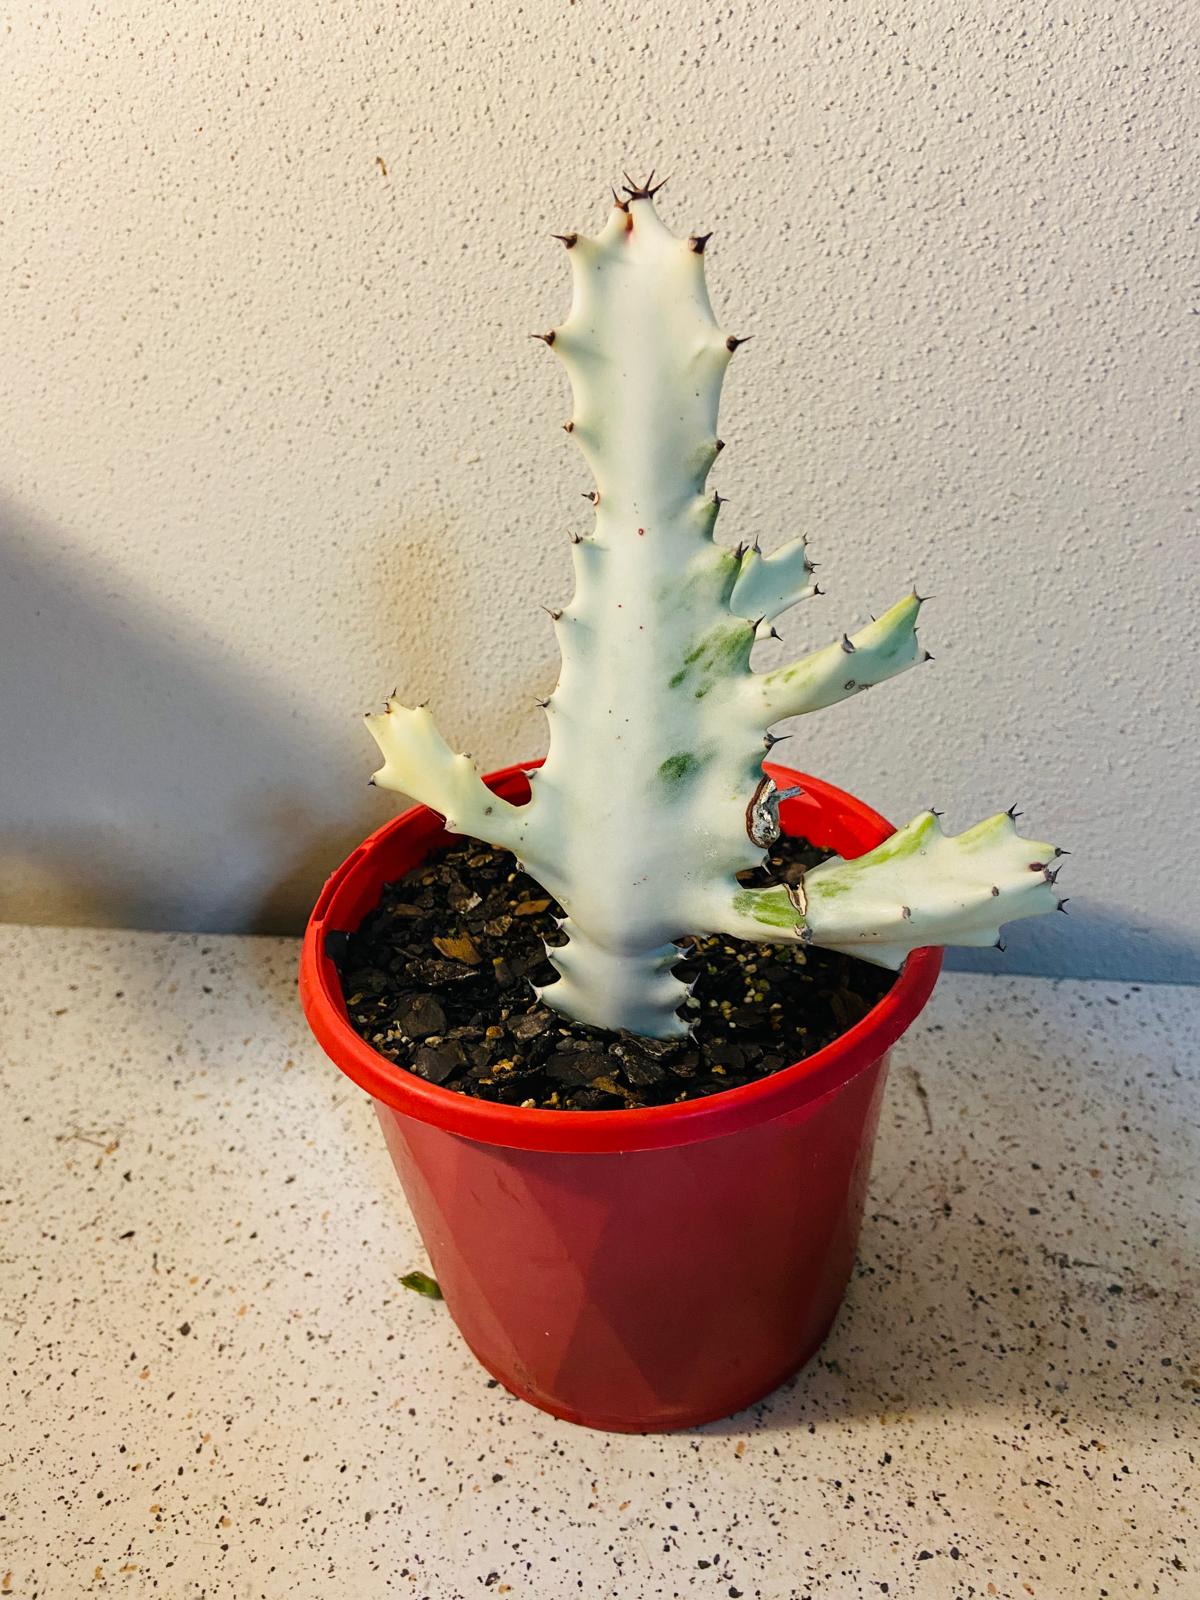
(438, 980)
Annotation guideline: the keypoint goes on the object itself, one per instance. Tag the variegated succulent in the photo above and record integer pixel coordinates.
(652, 798)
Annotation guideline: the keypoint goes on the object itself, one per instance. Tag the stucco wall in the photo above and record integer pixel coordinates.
(273, 438)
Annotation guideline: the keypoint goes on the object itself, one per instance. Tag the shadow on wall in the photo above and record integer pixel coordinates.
(1088, 943)
(144, 782)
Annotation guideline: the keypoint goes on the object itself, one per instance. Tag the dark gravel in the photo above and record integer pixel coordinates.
(438, 979)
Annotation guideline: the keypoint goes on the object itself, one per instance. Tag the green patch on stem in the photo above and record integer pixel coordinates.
(905, 842)
(680, 768)
(771, 907)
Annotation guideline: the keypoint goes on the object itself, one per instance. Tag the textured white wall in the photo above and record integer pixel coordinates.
(272, 438)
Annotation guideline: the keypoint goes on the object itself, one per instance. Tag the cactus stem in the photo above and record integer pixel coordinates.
(732, 343)
(569, 239)
(697, 242)
(546, 338)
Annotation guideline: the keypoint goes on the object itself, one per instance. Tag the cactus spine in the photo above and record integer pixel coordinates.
(652, 797)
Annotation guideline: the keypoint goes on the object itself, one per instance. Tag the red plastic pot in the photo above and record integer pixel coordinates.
(632, 1270)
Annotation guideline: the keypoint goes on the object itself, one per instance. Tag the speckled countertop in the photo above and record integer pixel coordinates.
(217, 1387)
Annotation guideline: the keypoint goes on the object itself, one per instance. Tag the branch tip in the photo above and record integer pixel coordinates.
(641, 191)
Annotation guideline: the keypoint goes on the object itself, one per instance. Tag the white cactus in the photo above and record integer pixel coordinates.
(652, 797)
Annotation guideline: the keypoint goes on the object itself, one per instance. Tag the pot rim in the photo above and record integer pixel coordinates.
(792, 1089)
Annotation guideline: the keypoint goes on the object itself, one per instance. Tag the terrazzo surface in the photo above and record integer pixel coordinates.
(216, 1385)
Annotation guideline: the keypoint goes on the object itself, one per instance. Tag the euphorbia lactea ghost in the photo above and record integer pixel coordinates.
(652, 798)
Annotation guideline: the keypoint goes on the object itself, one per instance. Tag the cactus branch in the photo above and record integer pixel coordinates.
(417, 761)
(920, 887)
(879, 651)
(767, 586)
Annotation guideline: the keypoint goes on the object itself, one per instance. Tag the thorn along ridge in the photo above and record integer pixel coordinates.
(698, 241)
(546, 338)
(731, 344)
(569, 239)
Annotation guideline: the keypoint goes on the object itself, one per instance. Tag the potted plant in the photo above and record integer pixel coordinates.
(669, 1256)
